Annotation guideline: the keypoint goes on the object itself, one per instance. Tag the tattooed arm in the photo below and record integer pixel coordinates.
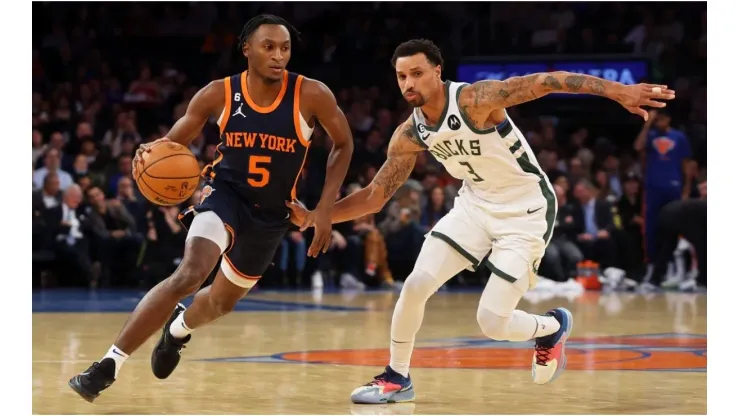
(402, 151)
(483, 97)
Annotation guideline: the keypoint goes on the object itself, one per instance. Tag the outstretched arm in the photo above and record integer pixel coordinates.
(483, 97)
(402, 151)
(323, 105)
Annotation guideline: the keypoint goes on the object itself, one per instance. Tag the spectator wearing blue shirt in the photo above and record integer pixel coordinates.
(668, 170)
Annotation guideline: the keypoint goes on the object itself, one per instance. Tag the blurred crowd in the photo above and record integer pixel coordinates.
(107, 78)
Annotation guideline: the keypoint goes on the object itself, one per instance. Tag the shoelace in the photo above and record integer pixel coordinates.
(380, 378)
(542, 353)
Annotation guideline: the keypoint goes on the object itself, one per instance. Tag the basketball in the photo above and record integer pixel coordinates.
(169, 173)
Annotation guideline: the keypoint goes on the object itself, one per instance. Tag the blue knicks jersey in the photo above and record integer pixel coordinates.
(262, 149)
(666, 152)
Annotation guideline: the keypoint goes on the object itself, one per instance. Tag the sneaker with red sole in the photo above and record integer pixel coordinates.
(549, 359)
(389, 387)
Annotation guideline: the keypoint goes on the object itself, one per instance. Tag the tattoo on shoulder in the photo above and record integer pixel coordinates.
(409, 131)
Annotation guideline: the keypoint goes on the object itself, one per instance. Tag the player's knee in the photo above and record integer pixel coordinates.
(189, 278)
(419, 286)
(492, 325)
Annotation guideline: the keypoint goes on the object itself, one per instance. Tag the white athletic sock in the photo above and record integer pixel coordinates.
(401, 356)
(546, 325)
(178, 329)
(118, 356)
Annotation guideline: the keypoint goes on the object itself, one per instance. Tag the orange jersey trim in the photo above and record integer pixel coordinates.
(227, 105)
(295, 183)
(242, 275)
(271, 107)
(297, 111)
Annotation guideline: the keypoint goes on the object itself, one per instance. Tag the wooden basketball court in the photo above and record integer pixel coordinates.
(303, 353)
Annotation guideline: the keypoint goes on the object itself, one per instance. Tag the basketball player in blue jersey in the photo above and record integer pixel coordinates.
(266, 116)
(502, 218)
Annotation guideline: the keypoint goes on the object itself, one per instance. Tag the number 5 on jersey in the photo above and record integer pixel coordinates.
(259, 176)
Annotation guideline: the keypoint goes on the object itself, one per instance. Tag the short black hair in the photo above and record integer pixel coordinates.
(414, 46)
(265, 19)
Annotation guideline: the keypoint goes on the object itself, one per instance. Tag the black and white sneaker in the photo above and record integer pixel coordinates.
(166, 355)
(95, 379)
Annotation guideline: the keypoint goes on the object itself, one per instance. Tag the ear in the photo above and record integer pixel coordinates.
(245, 48)
(438, 71)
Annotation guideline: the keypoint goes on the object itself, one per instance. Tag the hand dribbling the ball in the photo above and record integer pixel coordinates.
(144, 147)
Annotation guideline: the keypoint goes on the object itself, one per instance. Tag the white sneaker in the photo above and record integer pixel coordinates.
(348, 281)
(647, 287)
(688, 285)
(317, 280)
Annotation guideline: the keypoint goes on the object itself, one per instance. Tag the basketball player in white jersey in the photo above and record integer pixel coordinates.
(503, 215)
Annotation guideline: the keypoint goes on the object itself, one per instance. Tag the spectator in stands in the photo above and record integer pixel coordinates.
(435, 209)
(686, 218)
(668, 170)
(293, 243)
(562, 254)
(594, 223)
(165, 239)
(402, 232)
(38, 146)
(124, 171)
(134, 204)
(47, 197)
(611, 168)
(66, 224)
(95, 161)
(116, 241)
(52, 164)
(630, 214)
(124, 130)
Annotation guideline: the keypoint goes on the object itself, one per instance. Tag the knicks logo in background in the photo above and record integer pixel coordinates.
(649, 352)
(663, 145)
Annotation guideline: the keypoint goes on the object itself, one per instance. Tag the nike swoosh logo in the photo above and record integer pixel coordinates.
(531, 211)
(117, 353)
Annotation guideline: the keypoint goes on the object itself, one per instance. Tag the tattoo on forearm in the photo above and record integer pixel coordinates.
(584, 83)
(574, 82)
(596, 86)
(394, 173)
(506, 93)
(552, 82)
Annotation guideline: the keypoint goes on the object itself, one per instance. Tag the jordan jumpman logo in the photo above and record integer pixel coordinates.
(239, 111)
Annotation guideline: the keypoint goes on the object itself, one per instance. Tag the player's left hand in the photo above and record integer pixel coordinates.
(634, 97)
(298, 214)
(321, 220)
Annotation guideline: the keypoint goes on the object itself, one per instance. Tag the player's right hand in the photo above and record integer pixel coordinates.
(144, 147)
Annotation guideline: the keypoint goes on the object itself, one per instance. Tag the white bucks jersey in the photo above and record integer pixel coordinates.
(495, 164)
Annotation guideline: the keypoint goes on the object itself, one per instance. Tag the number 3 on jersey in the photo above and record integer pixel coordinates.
(259, 175)
(476, 178)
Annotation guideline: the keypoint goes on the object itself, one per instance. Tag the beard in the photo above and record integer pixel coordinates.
(418, 101)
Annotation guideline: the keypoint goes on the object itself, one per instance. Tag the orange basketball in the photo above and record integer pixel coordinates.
(169, 173)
